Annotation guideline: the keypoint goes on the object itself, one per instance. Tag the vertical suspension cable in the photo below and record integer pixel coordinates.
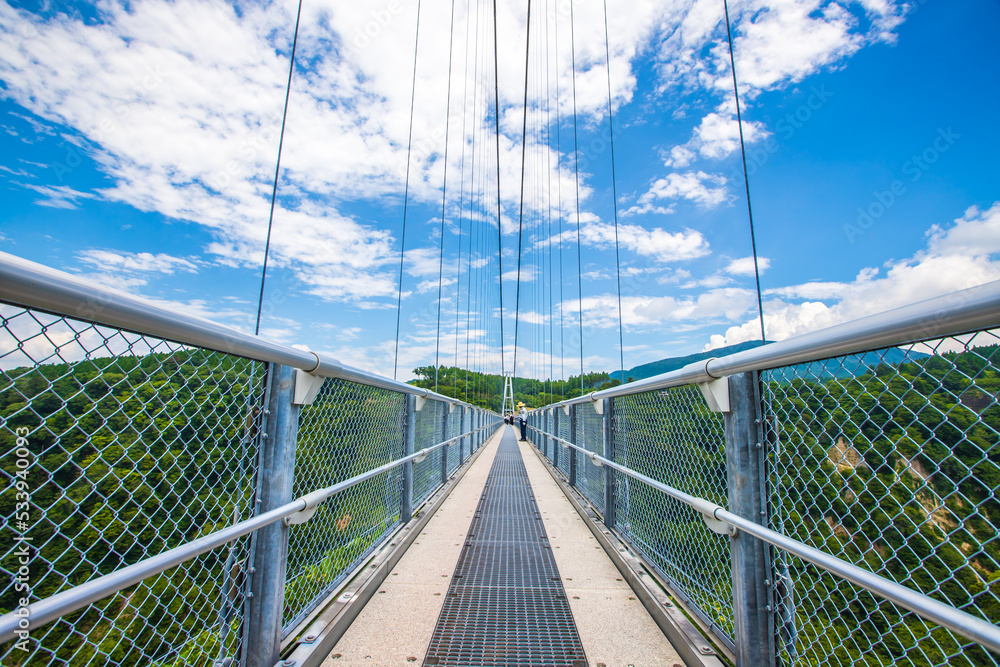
(444, 197)
(614, 197)
(277, 169)
(746, 176)
(473, 235)
(461, 203)
(562, 275)
(548, 199)
(576, 164)
(496, 117)
(406, 195)
(524, 150)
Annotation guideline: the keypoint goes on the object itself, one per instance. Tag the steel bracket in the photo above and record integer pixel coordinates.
(566, 409)
(312, 502)
(598, 405)
(418, 404)
(307, 386)
(707, 510)
(716, 526)
(716, 394)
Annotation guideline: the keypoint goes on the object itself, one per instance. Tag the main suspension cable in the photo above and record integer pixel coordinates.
(746, 176)
(277, 168)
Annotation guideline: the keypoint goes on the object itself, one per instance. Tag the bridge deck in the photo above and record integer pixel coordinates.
(397, 625)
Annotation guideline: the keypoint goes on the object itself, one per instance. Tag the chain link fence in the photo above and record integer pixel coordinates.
(559, 451)
(590, 436)
(127, 446)
(349, 429)
(889, 460)
(427, 473)
(673, 437)
(452, 430)
(118, 446)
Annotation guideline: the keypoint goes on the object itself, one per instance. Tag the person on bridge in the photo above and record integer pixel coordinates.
(524, 422)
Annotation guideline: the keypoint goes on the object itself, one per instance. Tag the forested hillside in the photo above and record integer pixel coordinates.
(131, 456)
(486, 390)
(896, 469)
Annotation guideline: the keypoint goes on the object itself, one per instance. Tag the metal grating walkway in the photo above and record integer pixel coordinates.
(506, 605)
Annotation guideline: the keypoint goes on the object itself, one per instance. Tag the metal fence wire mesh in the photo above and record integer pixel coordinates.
(673, 437)
(349, 429)
(127, 446)
(562, 421)
(590, 435)
(427, 473)
(890, 460)
(453, 430)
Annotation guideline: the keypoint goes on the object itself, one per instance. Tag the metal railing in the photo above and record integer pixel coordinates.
(178, 492)
(829, 499)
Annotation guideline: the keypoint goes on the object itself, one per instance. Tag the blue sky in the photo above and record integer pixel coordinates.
(139, 140)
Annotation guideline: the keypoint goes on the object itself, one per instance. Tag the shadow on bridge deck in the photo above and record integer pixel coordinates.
(397, 624)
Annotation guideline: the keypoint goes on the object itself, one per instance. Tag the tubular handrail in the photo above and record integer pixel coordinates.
(969, 626)
(946, 315)
(68, 601)
(31, 285)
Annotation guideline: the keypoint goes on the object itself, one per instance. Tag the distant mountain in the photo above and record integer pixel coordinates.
(644, 371)
(852, 366)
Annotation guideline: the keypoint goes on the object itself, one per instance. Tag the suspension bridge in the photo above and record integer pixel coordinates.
(179, 492)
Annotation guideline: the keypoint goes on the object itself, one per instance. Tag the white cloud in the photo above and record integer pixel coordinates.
(527, 274)
(958, 256)
(679, 157)
(708, 190)
(533, 317)
(58, 196)
(647, 208)
(109, 260)
(659, 244)
(777, 43)
(744, 266)
(976, 233)
(656, 243)
(717, 136)
(725, 304)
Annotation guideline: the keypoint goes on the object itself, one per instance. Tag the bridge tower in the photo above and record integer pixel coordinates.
(508, 393)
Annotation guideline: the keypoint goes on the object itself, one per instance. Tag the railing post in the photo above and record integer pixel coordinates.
(269, 555)
(547, 427)
(444, 450)
(751, 558)
(409, 437)
(571, 453)
(556, 446)
(610, 496)
(463, 428)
